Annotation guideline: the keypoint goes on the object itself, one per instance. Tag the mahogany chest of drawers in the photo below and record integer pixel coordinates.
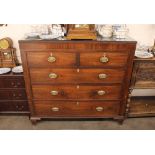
(13, 98)
(77, 79)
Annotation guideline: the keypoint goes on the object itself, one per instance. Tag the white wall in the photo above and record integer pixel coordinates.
(144, 34)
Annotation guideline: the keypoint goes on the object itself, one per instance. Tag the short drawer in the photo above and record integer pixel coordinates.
(53, 75)
(76, 109)
(104, 59)
(13, 106)
(47, 92)
(77, 76)
(12, 82)
(51, 59)
(13, 94)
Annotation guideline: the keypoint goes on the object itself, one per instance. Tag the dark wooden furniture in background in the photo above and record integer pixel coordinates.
(77, 79)
(143, 77)
(13, 98)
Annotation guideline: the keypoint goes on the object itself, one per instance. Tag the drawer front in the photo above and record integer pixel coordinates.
(16, 106)
(146, 64)
(77, 76)
(99, 92)
(12, 82)
(76, 109)
(47, 92)
(14, 94)
(101, 75)
(142, 108)
(103, 59)
(51, 59)
(53, 75)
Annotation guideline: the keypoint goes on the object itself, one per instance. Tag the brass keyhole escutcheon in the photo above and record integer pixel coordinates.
(78, 70)
(77, 103)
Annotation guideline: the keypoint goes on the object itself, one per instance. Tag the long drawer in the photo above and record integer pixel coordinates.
(51, 59)
(13, 94)
(76, 109)
(76, 75)
(61, 92)
(104, 59)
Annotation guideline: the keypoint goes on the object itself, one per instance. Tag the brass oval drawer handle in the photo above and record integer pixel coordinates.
(104, 59)
(54, 92)
(102, 76)
(55, 109)
(99, 109)
(51, 59)
(101, 92)
(53, 75)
